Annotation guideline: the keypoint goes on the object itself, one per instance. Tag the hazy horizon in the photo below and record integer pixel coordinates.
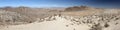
(61, 3)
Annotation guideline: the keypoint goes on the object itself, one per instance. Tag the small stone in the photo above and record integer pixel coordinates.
(116, 23)
(106, 25)
(67, 25)
(74, 29)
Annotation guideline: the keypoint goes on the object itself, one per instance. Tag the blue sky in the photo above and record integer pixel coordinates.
(40, 3)
(60, 3)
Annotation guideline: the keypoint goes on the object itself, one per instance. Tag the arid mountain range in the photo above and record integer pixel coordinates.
(70, 18)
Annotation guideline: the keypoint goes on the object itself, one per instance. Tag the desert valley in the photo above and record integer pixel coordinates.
(58, 18)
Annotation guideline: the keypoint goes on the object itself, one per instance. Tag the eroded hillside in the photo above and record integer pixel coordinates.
(14, 18)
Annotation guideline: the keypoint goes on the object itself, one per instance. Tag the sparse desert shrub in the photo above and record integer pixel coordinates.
(13, 18)
(96, 27)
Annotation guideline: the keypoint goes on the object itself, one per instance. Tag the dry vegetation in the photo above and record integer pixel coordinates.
(23, 15)
(13, 18)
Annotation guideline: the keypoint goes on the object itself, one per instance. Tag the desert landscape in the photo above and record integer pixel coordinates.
(70, 18)
(59, 14)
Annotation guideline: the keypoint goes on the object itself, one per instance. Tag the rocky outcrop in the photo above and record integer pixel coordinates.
(80, 8)
(103, 21)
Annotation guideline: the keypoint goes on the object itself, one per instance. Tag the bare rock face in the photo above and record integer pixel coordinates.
(13, 18)
(79, 8)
